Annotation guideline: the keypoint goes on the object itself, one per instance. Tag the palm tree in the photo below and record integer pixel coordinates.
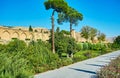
(72, 16)
(57, 6)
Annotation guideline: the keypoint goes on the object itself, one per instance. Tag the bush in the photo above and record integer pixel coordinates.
(96, 46)
(18, 60)
(2, 47)
(21, 61)
(90, 46)
(95, 53)
(66, 61)
(82, 55)
(15, 46)
(116, 43)
(63, 44)
(87, 54)
(13, 66)
(110, 71)
(85, 46)
(79, 56)
(79, 46)
(40, 57)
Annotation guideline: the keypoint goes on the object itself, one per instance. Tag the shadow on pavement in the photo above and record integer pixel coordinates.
(111, 56)
(94, 76)
(104, 61)
(86, 71)
(96, 65)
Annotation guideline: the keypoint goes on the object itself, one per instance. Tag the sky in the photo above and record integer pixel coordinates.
(103, 15)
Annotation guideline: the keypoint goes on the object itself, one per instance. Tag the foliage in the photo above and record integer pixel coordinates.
(85, 46)
(2, 47)
(88, 32)
(71, 48)
(93, 33)
(15, 46)
(101, 37)
(101, 47)
(66, 61)
(57, 6)
(116, 43)
(60, 43)
(18, 60)
(117, 40)
(96, 46)
(79, 46)
(65, 32)
(36, 30)
(85, 32)
(110, 71)
(72, 16)
(63, 43)
(30, 28)
(85, 54)
(79, 56)
(13, 66)
(21, 61)
(40, 56)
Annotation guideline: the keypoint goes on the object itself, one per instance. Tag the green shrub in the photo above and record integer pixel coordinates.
(79, 56)
(87, 54)
(21, 61)
(15, 46)
(85, 46)
(13, 66)
(90, 46)
(82, 55)
(95, 53)
(66, 61)
(18, 60)
(41, 57)
(2, 47)
(76, 59)
(79, 46)
(97, 46)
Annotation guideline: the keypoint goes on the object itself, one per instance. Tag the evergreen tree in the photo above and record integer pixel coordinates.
(30, 28)
(72, 16)
(57, 6)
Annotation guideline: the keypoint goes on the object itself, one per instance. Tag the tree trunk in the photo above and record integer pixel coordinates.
(71, 55)
(67, 55)
(70, 29)
(53, 45)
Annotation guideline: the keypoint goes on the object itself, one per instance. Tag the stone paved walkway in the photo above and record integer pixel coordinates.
(84, 69)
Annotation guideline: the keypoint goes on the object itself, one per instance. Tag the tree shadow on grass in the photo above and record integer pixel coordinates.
(82, 70)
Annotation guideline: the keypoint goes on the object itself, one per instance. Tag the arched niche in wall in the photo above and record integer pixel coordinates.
(23, 36)
(31, 36)
(15, 35)
(5, 35)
